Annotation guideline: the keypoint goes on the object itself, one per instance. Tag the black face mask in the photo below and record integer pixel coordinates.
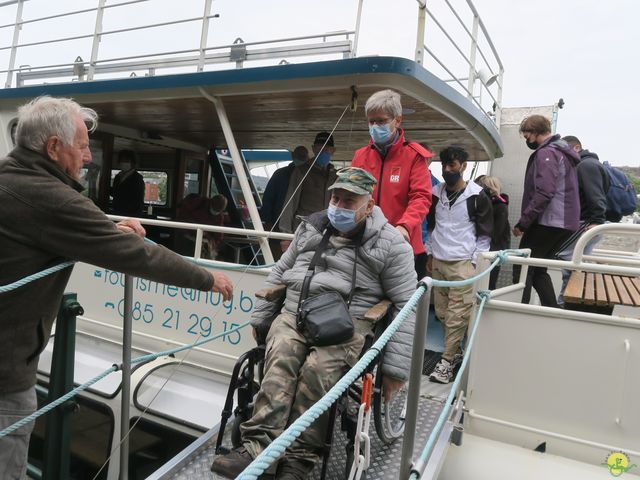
(451, 178)
(532, 145)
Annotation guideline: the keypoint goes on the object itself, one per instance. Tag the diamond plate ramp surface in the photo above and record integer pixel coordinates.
(385, 459)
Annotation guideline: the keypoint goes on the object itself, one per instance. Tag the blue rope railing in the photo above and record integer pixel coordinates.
(426, 452)
(141, 359)
(35, 276)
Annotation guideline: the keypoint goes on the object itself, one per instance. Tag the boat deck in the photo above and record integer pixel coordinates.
(195, 461)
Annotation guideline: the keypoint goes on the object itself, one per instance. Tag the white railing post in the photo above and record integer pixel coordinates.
(356, 37)
(14, 43)
(97, 37)
(415, 379)
(499, 102)
(472, 56)
(125, 402)
(204, 34)
(422, 18)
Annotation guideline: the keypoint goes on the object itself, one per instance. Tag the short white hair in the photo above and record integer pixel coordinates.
(45, 117)
(386, 101)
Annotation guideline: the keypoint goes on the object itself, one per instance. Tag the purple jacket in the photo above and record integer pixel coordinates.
(551, 196)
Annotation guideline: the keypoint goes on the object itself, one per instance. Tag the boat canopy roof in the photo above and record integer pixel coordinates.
(279, 107)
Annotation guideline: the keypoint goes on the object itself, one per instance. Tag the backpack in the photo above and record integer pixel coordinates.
(621, 198)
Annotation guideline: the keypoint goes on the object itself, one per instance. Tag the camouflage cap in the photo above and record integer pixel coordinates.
(354, 180)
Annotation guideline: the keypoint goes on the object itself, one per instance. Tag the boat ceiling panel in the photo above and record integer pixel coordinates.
(285, 106)
(280, 121)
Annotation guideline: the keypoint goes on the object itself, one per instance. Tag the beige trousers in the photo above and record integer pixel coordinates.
(453, 305)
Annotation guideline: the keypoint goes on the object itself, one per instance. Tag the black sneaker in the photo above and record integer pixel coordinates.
(294, 469)
(233, 463)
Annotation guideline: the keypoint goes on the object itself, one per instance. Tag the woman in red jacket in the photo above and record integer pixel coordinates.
(403, 191)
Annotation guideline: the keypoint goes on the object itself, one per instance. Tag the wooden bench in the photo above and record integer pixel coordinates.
(602, 289)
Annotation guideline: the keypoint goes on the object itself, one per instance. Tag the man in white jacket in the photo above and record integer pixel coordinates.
(460, 223)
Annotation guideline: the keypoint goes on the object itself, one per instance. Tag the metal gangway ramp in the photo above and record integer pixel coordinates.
(194, 462)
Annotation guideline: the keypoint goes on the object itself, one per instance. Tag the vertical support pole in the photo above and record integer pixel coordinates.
(198, 247)
(97, 37)
(356, 37)
(126, 377)
(422, 18)
(415, 378)
(238, 165)
(14, 43)
(499, 99)
(204, 34)
(472, 55)
(58, 437)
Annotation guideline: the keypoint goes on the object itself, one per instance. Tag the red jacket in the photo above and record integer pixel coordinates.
(403, 191)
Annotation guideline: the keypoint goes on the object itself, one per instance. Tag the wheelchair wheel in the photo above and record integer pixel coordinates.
(388, 418)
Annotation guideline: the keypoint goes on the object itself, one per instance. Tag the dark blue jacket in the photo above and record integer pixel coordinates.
(275, 194)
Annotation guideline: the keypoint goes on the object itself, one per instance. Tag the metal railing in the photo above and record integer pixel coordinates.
(482, 76)
(238, 52)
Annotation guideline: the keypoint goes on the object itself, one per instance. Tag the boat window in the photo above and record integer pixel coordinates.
(92, 427)
(151, 445)
(90, 175)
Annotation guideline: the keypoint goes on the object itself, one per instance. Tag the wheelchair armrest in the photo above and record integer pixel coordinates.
(378, 311)
(272, 294)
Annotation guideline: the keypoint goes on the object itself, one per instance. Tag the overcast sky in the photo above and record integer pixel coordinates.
(584, 51)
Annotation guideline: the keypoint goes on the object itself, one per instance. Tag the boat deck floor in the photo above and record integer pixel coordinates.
(195, 462)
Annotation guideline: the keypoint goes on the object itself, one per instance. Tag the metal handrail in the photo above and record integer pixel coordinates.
(68, 14)
(470, 60)
(108, 32)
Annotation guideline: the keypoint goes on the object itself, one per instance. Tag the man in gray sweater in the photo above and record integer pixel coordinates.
(45, 221)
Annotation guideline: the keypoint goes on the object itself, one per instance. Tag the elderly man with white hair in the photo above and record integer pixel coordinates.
(45, 221)
(403, 191)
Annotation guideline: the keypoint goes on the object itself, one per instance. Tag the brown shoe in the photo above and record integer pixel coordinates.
(233, 463)
(294, 469)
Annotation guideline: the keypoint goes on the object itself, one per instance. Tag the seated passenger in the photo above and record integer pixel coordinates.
(207, 211)
(298, 372)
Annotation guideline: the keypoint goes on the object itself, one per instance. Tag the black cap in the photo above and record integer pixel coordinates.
(322, 137)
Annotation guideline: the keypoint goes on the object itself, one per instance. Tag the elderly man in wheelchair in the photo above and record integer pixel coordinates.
(348, 252)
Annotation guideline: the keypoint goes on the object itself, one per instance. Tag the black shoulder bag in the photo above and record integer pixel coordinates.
(325, 317)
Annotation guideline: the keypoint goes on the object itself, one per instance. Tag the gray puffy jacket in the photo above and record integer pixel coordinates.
(385, 270)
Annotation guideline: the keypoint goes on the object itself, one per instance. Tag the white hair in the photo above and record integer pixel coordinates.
(45, 117)
(386, 101)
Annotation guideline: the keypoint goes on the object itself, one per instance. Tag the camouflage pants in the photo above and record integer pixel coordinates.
(453, 305)
(297, 374)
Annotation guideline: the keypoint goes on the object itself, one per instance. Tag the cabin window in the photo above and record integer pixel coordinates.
(92, 427)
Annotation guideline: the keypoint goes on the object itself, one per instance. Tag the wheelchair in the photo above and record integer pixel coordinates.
(388, 418)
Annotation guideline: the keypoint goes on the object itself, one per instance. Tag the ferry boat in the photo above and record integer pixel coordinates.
(548, 393)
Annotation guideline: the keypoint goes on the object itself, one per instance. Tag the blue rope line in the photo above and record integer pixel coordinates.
(144, 358)
(501, 258)
(35, 276)
(484, 296)
(38, 413)
(278, 446)
(153, 356)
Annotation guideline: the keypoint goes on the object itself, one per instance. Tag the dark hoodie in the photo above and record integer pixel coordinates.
(594, 185)
(551, 195)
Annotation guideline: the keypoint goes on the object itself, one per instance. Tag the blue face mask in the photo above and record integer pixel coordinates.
(343, 219)
(381, 134)
(323, 159)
